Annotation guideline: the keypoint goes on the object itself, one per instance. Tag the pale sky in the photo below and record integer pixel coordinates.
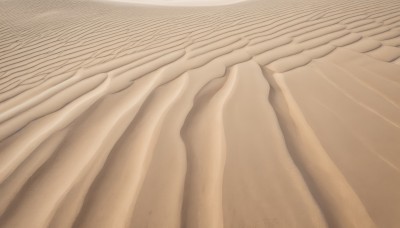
(181, 2)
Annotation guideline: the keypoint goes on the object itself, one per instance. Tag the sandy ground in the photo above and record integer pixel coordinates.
(274, 113)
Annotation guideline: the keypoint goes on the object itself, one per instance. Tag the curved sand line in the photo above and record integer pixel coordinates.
(258, 114)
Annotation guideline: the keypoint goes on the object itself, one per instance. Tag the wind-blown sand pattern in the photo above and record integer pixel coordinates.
(258, 114)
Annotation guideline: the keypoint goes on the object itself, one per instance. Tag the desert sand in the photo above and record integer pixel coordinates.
(262, 113)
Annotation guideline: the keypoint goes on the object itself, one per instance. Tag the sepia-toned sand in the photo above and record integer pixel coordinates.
(258, 114)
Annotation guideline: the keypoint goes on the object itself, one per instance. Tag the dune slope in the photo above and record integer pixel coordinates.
(252, 115)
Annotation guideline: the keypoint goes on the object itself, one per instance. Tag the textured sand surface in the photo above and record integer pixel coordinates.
(274, 113)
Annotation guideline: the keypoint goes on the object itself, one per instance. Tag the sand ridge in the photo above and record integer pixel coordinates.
(256, 114)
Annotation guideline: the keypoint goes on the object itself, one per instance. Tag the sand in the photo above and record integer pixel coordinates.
(263, 113)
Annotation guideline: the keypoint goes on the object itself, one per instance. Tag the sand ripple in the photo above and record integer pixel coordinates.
(259, 114)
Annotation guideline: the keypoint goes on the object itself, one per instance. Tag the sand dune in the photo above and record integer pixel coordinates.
(250, 115)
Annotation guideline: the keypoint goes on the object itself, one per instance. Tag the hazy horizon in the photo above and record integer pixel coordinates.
(180, 2)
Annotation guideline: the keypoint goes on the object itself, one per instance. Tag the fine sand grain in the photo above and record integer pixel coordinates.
(263, 113)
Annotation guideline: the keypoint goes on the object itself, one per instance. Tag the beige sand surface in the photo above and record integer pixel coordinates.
(265, 113)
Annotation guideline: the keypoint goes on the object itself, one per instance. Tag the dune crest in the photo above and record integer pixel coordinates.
(257, 114)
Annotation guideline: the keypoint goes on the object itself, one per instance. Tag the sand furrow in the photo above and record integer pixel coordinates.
(163, 206)
(128, 167)
(253, 162)
(321, 171)
(202, 205)
(14, 183)
(34, 133)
